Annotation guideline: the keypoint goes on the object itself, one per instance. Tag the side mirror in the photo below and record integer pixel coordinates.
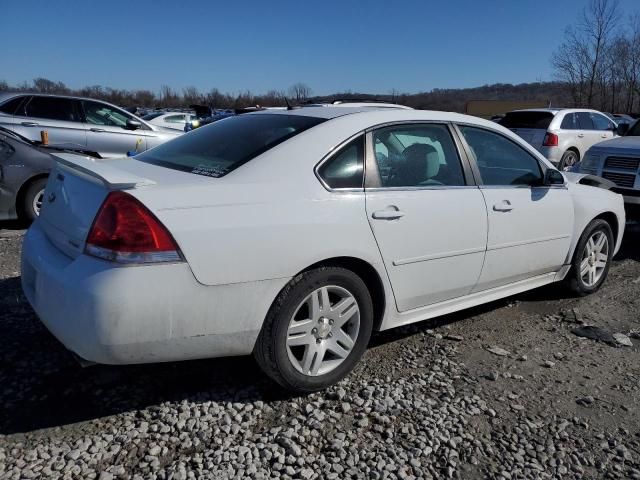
(133, 125)
(553, 177)
(622, 129)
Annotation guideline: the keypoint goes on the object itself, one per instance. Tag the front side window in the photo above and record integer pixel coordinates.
(500, 160)
(346, 168)
(174, 119)
(219, 148)
(100, 114)
(52, 108)
(600, 122)
(417, 156)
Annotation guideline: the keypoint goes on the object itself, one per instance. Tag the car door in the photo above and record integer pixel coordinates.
(59, 116)
(604, 128)
(107, 131)
(530, 225)
(427, 216)
(587, 134)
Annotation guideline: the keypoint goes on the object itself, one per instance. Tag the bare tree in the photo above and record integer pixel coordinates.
(300, 91)
(580, 60)
(3, 86)
(191, 95)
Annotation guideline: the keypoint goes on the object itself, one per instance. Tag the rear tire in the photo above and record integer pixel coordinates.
(569, 159)
(316, 330)
(592, 258)
(32, 199)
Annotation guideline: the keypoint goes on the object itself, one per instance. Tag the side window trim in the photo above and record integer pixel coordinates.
(372, 174)
(541, 166)
(332, 154)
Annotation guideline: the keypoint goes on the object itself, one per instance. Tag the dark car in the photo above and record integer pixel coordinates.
(24, 169)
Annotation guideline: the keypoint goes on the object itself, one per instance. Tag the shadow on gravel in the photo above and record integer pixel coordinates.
(13, 225)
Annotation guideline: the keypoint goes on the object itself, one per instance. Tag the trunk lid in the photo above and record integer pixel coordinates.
(75, 191)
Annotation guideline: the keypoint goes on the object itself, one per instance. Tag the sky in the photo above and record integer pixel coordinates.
(332, 46)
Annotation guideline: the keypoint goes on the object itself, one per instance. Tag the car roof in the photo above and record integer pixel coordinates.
(555, 110)
(378, 115)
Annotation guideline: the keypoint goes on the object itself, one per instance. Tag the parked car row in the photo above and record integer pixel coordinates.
(97, 126)
(451, 211)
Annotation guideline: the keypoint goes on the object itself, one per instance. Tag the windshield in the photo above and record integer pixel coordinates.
(634, 131)
(151, 116)
(223, 146)
(539, 120)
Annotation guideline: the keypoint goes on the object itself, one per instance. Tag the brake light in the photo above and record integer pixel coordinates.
(125, 231)
(550, 140)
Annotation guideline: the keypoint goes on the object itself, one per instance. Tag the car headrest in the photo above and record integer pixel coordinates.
(422, 157)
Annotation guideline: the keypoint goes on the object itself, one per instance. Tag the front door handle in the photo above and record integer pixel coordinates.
(29, 124)
(388, 214)
(97, 130)
(604, 135)
(581, 135)
(503, 206)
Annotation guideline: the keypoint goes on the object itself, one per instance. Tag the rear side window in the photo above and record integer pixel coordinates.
(584, 121)
(540, 120)
(568, 122)
(346, 168)
(223, 146)
(151, 116)
(11, 106)
(52, 108)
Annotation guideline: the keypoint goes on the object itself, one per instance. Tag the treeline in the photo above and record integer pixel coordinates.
(600, 58)
(454, 100)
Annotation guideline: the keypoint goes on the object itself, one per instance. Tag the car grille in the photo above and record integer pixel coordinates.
(622, 163)
(620, 179)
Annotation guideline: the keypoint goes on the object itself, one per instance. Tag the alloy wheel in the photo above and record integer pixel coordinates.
(323, 330)
(594, 258)
(37, 202)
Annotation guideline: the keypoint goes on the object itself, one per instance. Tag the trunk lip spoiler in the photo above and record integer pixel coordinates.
(110, 176)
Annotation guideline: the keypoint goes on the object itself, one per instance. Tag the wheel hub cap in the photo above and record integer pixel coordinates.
(323, 330)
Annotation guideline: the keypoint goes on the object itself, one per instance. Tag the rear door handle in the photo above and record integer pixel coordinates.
(98, 130)
(29, 124)
(604, 135)
(387, 214)
(503, 206)
(581, 135)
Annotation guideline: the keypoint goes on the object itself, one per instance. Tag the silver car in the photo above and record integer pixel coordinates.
(561, 135)
(96, 125)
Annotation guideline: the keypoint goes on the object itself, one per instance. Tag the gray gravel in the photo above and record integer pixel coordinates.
(434, 400)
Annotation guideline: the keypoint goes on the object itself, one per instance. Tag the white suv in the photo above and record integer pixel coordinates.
(561, 135)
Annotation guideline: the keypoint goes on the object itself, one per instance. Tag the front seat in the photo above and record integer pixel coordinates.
(421, 164)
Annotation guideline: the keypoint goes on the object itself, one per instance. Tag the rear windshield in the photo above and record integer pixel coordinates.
(527, 120)
(220, 148)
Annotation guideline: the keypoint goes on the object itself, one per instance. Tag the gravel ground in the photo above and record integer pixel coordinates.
(501, 391)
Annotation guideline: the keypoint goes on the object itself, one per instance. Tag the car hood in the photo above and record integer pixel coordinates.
(621, 144)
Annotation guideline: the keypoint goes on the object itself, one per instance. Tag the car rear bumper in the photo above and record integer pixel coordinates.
(139, 314)
(553, 154)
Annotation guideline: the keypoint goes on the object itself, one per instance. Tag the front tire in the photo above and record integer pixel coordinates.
(569, 159)
(592, 258)
(32, 199)
(316, 330)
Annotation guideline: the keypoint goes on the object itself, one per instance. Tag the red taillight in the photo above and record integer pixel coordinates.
(550, 140)
(125, 231)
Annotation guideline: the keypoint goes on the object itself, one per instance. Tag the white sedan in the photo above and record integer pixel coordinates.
(294, 234)
(174, 120)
